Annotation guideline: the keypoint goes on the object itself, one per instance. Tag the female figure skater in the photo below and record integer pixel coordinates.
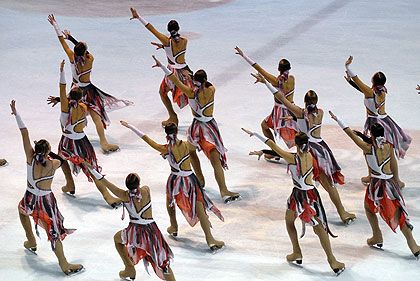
(326, 170)
(97, 101)
(383, 194)
(74, 144)
(204, 133)
(142, 238)
(279, 120)
(305, 201)
(183, 187)
(175, 48)
(375, 112)
(39, 201)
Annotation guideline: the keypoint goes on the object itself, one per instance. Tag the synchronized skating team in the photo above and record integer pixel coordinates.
(383, 142)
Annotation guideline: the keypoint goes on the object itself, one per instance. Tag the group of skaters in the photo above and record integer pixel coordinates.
(382, 142)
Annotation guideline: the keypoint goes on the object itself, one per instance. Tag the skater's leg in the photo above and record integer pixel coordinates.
(205, 225)
(291, 230)
(69, 187)
(129, 271)
(415, 249)
(195, 163)
(169, 276)
(266, 131)
(106, 147)
(394, 170)
(219, 174)
(30, 243)
(366, 180)
(345, 216)
(373, 221)
(173, 228)
(326, 245)
(66, 267)
(173, 118)
(111, 200)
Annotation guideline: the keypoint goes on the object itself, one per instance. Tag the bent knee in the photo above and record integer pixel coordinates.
(117, 237)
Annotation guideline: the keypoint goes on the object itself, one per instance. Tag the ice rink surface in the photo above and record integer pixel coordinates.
(315, 36)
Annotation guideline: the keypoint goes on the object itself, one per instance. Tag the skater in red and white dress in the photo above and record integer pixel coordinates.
(326, 169)
(39, 201)
(142, 239)
(383, 195)
(305, 201)
(97, 101)
(204, 133)
(74, 145)
(375, 111)
(175, 48)
(183, 187)
(280, 120)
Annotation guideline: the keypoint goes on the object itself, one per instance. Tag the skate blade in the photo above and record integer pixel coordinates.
(377, 246)
(417, 255)
(173, 236)
(349, 221)
(338, 271)
(110, 151)
(230, 199)
(69, 194)
(297, 262)
(75, 272)
(32, 250)
(127, 278)
(115, 206)
(216, 249)
(275, 160)
(4, 164)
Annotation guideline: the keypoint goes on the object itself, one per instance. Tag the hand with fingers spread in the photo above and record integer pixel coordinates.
(158, 45)
(259, 78)
(134, 14)
(259, 153)
(125, 124)
(51, 19)
(239, 51)
(158, 64)
(13, 107)
(332, 115)
(53, 100)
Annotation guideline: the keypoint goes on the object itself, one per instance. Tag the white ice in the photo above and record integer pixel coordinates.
(316, 37)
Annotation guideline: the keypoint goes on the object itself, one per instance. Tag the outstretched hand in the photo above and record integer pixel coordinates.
(13, 107)
(66, 34)
(125, 124)
(349, 60)
(158, 45)
(51, 19)
(286, 118)
(347, 77)
(134, 14)
(332, 115)
(158, 64)
(259, 78)
(259, 153)
(239, 51)
(62, 65)
(248, 132)
(418, 88)
(52, 100)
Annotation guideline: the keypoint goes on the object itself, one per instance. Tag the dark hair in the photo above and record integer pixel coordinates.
(173, 26)
(377, 130)
(284, 65)
(76, 93)
(311, 97)
(363, 137)
(171, 129)
(201, 76)
(132, 181)
(378, 79)
(42, 147)
(301, 138)
(80, 49)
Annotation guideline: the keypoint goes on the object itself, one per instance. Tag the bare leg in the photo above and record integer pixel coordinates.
(170, 275)
(106, 147)
(69, 187)
(415, 249)
(30, 243)
(366, 180)
(326, 245)
(345, 216)
(129, 270)
(376, 239)
(291, 230)
(173, 118)
(219, 174)
(394, 170)
(266, 131)
(195, 163)
(205, 225)
(66, 267)
(173, 228)
(111, 200)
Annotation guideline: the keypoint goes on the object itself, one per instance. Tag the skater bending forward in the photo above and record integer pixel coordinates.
(183, 187)
(305, 201)
(39, 201)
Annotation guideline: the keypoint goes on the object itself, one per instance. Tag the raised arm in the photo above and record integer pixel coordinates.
(63, 96)
(365, 89)
(356, 139)
(29, 152)
(185, 89)
(159, 147)
(66, 48)
(162, 38)
(286, 155)
(271, 78)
